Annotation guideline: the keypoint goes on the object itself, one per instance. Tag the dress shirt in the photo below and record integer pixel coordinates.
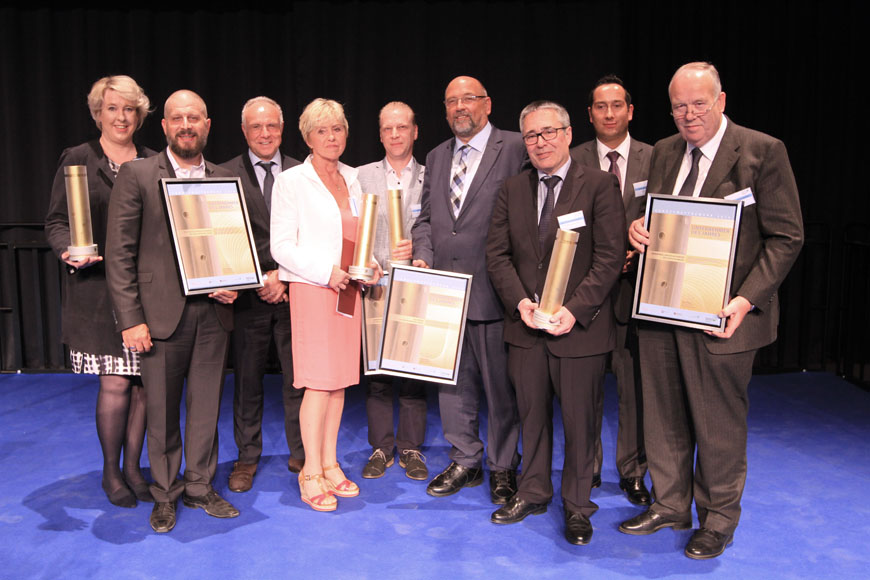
(476, 144)
(194, 172)
(400, 180)
(708, 153)
(623, 149)
(259, 171)
(542, 187)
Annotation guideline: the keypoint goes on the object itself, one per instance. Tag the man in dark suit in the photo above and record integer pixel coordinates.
(397, 170)
(178, 337)
(613, 150)
(565, 356)
(263, 315)
(462, 179)
(695, 383)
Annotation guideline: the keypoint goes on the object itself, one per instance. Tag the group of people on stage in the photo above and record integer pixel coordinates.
(488, 202)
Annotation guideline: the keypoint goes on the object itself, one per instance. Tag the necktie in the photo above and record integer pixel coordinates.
(614, 168)
(268, 182)
(546, 221)
(457, 179)
(692, 178)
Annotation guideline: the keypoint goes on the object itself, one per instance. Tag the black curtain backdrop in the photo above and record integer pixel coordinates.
(788, 69)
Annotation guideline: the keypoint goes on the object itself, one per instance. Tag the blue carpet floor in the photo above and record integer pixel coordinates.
(804, 508)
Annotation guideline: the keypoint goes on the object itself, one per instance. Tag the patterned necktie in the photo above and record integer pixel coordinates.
(688, 188)
(457, 179)
(268, 182)
(546, 222)
(614, 168)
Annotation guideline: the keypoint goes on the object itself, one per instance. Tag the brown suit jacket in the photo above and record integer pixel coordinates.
(140, 258)
(518, 269)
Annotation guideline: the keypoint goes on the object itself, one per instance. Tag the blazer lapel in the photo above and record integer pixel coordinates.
(568, 195)
(725, 159)
(255, 200)
(529, 211)
(490, 154)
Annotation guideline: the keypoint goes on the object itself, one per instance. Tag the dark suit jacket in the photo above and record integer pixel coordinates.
(639, 154)
(518, 269)
(88, 325)
(459, 244)
(140, 258)
(771, 230)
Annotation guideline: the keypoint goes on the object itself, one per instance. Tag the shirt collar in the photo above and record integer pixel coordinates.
(275, 158)
(478, 142)
(623, 148)
(176, 167)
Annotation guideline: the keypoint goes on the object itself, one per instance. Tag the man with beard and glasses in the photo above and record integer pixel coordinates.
(462, 179)
(178, 337)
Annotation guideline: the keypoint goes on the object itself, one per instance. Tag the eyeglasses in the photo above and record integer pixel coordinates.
(467, 99)
(698, 109)
(548, 134)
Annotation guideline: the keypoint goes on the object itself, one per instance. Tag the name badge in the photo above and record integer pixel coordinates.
(744, 195)
(415, 209)
(354, 209)
(572, 221)
(640, 189)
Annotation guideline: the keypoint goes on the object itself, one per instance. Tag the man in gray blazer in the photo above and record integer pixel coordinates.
(463, 177)
(695, 383)
(261, 316)
(178, 337)
(398, 170)
(614, 150)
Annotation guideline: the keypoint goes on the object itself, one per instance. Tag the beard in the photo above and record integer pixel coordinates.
(191, 151)
(463, 126)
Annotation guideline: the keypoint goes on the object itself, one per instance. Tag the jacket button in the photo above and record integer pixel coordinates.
(540, 265)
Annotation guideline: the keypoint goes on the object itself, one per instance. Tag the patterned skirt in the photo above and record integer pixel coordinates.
(105, 364)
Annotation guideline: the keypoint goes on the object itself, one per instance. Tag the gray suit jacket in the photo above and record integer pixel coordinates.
(637, 170)
(771, 229)
(140, 256)
(372, 178)
(459, 244)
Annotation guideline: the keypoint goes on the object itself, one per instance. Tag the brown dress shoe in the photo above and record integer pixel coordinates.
(242, 477)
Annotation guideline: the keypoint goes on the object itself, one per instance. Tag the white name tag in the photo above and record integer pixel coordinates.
(744, 195)
(640, 189)
(354, 209)
(415, 209)
(572, 221)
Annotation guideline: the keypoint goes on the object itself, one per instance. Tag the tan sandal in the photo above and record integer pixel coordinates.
(322, 502)
(345, 488)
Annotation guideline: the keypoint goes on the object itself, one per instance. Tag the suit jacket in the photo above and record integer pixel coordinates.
(373, 179)
(518, 268)
(459, 244)
(258, 213)
(637, 169)
(140, 257)
(771, 229)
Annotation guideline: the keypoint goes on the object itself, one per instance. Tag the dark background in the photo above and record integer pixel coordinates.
(790, 69)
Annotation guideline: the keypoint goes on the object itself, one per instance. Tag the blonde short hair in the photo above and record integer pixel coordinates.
(124, 86)
(321, 112)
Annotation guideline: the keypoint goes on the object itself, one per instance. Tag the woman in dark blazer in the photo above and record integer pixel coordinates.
(119, 107)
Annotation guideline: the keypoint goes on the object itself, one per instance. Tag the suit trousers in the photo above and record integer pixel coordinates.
(256, 324)
(577, 382)
(483, 365)
(197, 351)
(630, 454)
(695, 401)
(411, 430)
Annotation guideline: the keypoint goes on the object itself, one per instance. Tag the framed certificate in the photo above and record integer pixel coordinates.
(214, 245)
(684, 276)
(423, 324)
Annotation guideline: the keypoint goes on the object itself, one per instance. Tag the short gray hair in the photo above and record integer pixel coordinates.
(705, 67)
(561, 112)
(261, 99)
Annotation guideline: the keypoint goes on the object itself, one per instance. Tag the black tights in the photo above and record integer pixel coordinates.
(121, 425)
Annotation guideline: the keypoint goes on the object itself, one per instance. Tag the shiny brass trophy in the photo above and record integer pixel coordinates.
(397, 228)
(78, 203)
(557, 278)
(365, 238)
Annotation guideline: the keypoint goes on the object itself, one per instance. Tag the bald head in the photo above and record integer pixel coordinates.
(468, 107)
(186, 125)
(184, 98)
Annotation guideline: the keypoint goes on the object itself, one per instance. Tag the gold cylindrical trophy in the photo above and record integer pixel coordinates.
(557, 278)
(81, 236)
(397, 222)
(365, 239)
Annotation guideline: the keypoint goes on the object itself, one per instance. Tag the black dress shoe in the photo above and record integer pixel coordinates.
(516, 510)
(706, 544)
(578, 528)
(213, 504)
(502, 486)
(596, 480)
(454, 478)
(636, 490)
(162, 516)
(650, 522)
